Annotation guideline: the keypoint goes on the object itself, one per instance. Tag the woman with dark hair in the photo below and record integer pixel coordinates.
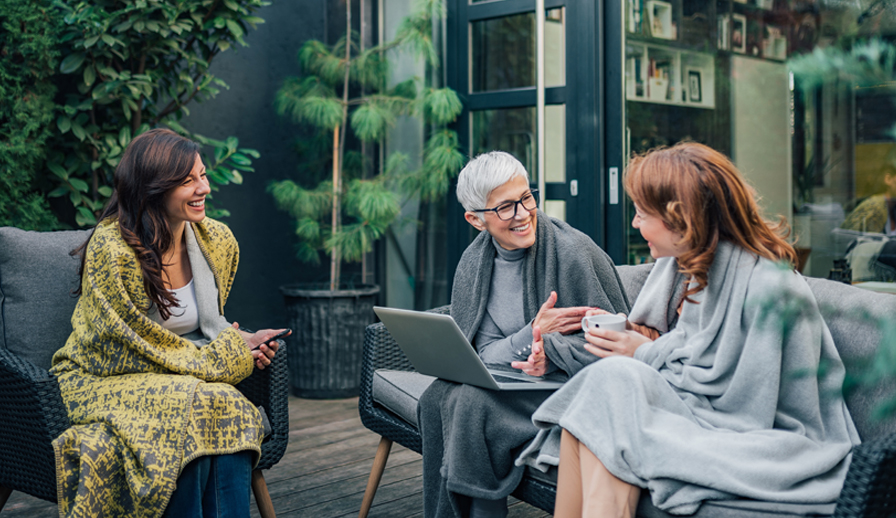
(726, 385)
(149, 370)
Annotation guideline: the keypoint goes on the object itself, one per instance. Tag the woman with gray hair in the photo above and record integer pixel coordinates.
(525, 275)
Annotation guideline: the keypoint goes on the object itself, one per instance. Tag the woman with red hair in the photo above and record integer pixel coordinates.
(706, 395)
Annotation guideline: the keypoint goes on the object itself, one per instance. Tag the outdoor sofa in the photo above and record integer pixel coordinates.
(37, 276)
(390, 389)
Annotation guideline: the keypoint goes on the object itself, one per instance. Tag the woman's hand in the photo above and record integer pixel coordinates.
(262, 350)
(559, 320)
(603, 342)
(537, 362)
(649, 332)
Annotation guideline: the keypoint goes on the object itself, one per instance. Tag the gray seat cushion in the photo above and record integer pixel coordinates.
(37, 277)
(399, 391)
(856, 318)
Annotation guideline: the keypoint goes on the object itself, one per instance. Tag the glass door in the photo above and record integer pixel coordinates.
(512, 104)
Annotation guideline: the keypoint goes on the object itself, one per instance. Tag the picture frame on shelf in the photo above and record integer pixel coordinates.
(659, 18)
(739, 33)
(694, 78)
(774, 45)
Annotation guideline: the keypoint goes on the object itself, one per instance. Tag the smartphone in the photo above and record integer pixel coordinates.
(276, 336)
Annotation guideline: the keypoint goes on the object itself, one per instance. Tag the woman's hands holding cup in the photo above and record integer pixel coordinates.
(610, 338)
(262, 351)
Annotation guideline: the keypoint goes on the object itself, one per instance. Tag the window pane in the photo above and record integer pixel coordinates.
(502, 53)
(555, 209)
(511, 130)
(555, 47)
(555, 143)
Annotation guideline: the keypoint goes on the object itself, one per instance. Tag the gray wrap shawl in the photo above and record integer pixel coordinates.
(471, 436)
(562, 260)
(741, 399)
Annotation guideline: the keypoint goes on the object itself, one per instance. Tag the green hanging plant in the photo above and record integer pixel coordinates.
(345, 89)
(128, 66)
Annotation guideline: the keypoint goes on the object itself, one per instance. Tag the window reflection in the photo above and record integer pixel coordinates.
(502, 53)
(721, 66)
(511, 130)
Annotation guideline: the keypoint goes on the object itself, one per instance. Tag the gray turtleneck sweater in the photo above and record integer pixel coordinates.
(504, 336)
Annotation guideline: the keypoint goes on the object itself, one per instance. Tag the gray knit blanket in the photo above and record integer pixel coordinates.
(562, 260)
(471, 436)
(742, 399)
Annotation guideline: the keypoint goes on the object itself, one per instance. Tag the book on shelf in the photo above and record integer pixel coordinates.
(635, 78)
(635, 16)
(724, 32)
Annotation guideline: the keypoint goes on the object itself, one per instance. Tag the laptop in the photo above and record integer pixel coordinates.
(436, 346)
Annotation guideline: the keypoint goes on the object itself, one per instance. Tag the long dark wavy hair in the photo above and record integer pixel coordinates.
(153, 164)
(697, 192)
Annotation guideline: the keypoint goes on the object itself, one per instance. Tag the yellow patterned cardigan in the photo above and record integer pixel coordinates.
(144, 401)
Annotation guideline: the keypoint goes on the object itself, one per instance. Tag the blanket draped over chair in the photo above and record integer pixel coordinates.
(742, 398)
(144, 401)
(470, 435)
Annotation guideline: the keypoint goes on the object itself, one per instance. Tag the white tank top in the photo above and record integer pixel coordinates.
(185, 317)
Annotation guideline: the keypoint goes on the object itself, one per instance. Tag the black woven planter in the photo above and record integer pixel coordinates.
(328, 337)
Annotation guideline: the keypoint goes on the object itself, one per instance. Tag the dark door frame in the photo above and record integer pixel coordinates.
(594, 113)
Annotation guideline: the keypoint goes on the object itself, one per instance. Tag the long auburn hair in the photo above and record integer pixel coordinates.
(152, 165)
(697, 192)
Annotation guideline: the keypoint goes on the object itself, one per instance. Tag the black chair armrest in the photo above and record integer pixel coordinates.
(269, 388)
(869, 487)
(33, 415)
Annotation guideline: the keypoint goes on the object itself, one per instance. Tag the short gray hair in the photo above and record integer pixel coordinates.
(484, 174)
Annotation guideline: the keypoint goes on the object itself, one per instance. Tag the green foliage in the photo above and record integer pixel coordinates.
(865, 63)
(132, 65)
(335, 92)
(870, 63)
(28, 56)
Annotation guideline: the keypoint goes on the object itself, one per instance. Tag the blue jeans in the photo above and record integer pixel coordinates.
(213, 486)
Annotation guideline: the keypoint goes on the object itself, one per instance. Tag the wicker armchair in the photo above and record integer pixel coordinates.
(36, 277)
(869, 490)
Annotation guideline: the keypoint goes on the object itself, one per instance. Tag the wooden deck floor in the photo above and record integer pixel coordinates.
(324, 471)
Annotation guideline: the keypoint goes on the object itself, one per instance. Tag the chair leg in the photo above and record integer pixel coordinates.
(4, 496)
(262, 497)
(376, 473)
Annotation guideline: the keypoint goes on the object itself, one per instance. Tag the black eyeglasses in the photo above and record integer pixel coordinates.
(507, 210)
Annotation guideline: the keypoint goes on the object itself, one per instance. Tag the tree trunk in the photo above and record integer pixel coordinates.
(339, 149)
(335, 260)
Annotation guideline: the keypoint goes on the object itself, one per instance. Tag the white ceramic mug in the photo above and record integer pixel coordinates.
(610, 322)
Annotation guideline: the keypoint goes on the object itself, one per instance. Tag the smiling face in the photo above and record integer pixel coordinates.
(186, 202)
(515, 233)
(662, 241)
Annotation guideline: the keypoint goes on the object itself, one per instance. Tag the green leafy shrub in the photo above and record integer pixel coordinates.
(342, 214)
(130, 65)
(28, 57)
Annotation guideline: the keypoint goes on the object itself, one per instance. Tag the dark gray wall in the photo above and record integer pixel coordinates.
(246, 111)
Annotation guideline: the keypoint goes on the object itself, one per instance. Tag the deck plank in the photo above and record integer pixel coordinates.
(324, 472)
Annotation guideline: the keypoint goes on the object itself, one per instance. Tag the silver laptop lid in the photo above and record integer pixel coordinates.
(436, 346)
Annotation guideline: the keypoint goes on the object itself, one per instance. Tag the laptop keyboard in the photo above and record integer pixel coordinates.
(508, 379)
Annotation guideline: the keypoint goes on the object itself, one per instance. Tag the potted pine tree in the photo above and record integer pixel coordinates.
(344, 88)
